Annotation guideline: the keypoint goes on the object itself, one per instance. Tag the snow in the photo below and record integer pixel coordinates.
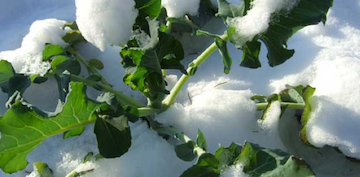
(235, 171)
(28, 58)
(327, 57)
(105, 22)
(257, 19)
(179, 8)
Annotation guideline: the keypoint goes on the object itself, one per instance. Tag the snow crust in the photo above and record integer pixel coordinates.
(179, 8)
(105, 22)
(257, 20)
(28, 58)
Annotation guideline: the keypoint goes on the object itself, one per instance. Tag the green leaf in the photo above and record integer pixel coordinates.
(70, 65)
(6, 71)
(271, 99)
(37, 79)
(18, 83)
(96, 64)
(259, 98)
(226, 9)
(71, 25)
(206, 166)
(227, 156)
(43, 169)
(52, 50)
(151, 8)
(73, 37)
(258, 161)
(222, 46)
(22, 130)
(250, 57)
(113, 136)
(186, 151)
(74, 132)
(201, 141)
(57, 61)
(292, 95)
(305, 117)
(306, 12)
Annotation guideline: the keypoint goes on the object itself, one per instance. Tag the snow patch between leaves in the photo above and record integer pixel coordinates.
(179, 8)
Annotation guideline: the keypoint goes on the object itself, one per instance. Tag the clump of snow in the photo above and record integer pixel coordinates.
(271, 118)
(105, 22)
(258, 18)
(224, 116)
(179, 8)
(149, 156)
(235, 171)
(335, 74)
(28, 58)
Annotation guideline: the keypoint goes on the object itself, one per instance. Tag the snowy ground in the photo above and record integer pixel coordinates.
(327, 57)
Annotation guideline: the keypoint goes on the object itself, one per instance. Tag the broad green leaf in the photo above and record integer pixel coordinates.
(22, 130)
(206, 166)
(73, 37)
(74, 132)
(52, 50)
(201, 141)
(307, 94)
(43, 169)
(262, 162)
(6, 71)
(186, 151)
(96, 64)
(306, 12)
(113, 136)
(151, 8)
(227, 156)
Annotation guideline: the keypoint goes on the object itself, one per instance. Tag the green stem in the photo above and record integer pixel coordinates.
(82, 60)
(146, 111)
(262, 106)
(126, 100)
(191, 70)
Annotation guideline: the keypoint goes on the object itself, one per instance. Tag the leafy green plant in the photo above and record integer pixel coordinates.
(23, 126)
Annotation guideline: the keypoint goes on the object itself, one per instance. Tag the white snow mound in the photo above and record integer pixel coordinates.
(103, 22)
(335, 73)
(179, 8)
(28, 58)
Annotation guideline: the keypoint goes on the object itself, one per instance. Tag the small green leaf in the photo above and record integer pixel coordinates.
(57, 61)
(227, 156)
(71, 25)
(292, 95)
(96, 64)
(37, 79)
(73, 37)
(6, 71)
(113, 136)
(71, 65)
(206, 166)
(52, 50)
(250, 57)
(305, 117)
(259, 98)
(201, 141)
(186, 151)
(43, 169)
(95, 77)
(74, 132)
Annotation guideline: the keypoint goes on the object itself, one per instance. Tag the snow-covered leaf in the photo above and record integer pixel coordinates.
(43, 169)
(22, 129)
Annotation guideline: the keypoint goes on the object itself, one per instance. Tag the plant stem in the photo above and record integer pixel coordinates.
(82, 60)
(126, 100)
(262, 106)
(191, 70)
